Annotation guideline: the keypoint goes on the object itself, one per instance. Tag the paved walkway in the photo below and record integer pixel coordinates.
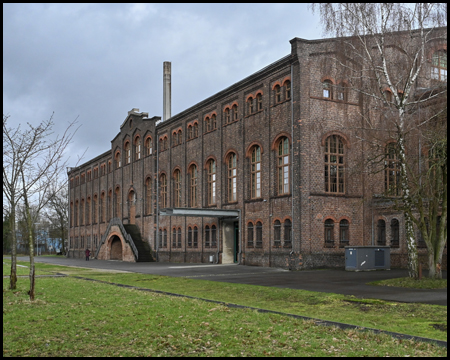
(332, 281)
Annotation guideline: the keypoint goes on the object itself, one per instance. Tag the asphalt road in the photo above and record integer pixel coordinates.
(329, 280)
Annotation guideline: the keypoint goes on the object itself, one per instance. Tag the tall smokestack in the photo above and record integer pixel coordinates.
(166, 90)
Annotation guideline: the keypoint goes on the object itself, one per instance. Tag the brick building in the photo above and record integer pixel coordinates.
(266, 172)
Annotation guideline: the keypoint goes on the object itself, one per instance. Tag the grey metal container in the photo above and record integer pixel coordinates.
(363, 258)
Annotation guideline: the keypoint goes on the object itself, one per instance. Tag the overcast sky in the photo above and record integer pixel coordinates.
(98, 61)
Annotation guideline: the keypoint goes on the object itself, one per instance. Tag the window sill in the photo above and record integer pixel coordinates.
(280, 196)
(253, 200)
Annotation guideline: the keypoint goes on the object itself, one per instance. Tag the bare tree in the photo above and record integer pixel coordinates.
(385, 55)
(32, 159)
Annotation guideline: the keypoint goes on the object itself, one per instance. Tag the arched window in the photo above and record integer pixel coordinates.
(72, 224)
(213, 122)
(287, 89)
(211, 167)
(148, 146)
(148, 196)
(213, 236)
(329, 233)
(287, 233)
(118, 202)
(395, 233)
(256, 172)
(160, 238)
(259, 104)
(381, 232)
(180, 137)
(174, 139)
(195, 130)
(165, 143)
(207, 124)
(193, 186)
(277, 233)
(137, 148)
(103, 207)
(439, 65)
(327, 89)
(207, 234)
(392, 184)
(259, 234)
(342, 92)
(165, 238)
(334, 165)
(110, 204)
(177, 188)
(127, 152)
(232, 178)
(163, 189)
(250, 106)
(88, 211)
(250, 234)
(77, 211)
(227, 116)
(277, 93)
(174, 237)
(235, 112)
(179, 237)
(195, 242)
(190, 132)
(343, 233)
(189, 242)
(283, 166)
(118, 161)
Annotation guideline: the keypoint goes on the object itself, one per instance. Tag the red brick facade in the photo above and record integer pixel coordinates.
(289, 218)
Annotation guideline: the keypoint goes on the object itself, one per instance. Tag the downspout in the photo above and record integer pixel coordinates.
(240, 238)
(292, 160)
(70, 222)
(157, 195)
(220, 226)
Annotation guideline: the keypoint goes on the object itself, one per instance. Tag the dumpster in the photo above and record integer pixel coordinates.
(364, 258)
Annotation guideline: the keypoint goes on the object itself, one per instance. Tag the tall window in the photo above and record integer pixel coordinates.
(165, 143)
(207, 124)
(283, 166)
(127, 153)
(77, 211)
(165, 238)
(118, 162)
(259, 104)
(163, 188)
(83, 212)
(137, 148)
(256, 173)
(329, 233)
(395, 233)
(342, 92)
(287, 233)
(207, 234)
(439, 65)
(287, 88)
(250, 234)
(277, 93)
(211, 182)
(213, 122)
(195, 130)
(103, 207)
(381, 232)
(180, 137)
(195, 242)
(235, 112)
(189, 242)
(334, 164)
(250, 105)
(277, 233)
(110, 204)
(179, 237)
(227, 116)
(259, 234)
(232, 177)
(343, 233)
(193, 186)
(190, 134)
(174, 237)
(148, 146)
(392, 184)
(177, 188)
(148, 196)
(88, 211)
(327, 89)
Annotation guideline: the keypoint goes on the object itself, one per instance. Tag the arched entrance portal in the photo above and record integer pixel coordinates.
(116, 248)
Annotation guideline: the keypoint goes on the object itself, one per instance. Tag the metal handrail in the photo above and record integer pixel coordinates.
(128, 238)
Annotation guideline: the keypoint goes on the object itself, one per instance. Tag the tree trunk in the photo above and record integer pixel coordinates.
(13, 276)
(413, 257)
(31, 245)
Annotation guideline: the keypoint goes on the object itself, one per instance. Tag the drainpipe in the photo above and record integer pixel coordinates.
(157, 195)
(240, 238)
(220, 226)
(292, 160)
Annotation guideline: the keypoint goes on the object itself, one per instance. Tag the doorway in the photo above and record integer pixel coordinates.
(116, 248)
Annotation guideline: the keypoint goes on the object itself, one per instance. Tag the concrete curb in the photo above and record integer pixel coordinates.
(316, 321)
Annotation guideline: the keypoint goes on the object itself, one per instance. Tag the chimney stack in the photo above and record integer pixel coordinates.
(167, 90)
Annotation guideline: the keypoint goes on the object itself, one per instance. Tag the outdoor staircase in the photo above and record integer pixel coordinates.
(143, 248)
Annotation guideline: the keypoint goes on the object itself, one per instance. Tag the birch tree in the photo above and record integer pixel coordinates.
(32, 159)
(390, 47)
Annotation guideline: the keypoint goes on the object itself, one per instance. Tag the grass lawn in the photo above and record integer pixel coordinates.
(73, 317)
(424, 283)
